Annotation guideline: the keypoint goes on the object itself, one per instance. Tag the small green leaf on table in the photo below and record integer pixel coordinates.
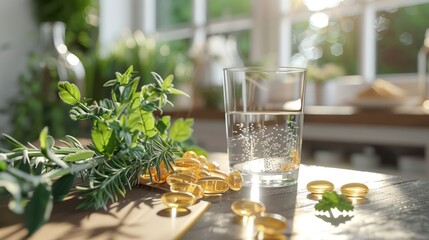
(332, 200)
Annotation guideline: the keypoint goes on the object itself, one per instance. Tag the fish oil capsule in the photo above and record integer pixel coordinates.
(235, 180)
(354, 190)
(246, 208)
(180, 177)
(187, 162)
(202, 159)
(190, 154)
(320, 186)
(218, 173)
(200, 173)
(270, 223)
(213, 185)
(212, 166)
(192, 188)
(178, 199)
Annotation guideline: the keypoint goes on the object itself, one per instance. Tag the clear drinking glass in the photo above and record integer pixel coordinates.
(264, 119)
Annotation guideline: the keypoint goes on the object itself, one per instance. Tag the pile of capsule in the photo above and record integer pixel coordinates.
(268, 225)
(193, 178)
(351, 190)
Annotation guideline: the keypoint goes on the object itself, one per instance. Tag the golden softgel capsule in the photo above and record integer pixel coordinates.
(180, 177)
(218, 173)
(235, 180)
(213, 185)
(192, 188)
(354, 190)
(246, 208)
(178, 199)
(190, 154)
(320, 186)
(187, 163)
(270, 223)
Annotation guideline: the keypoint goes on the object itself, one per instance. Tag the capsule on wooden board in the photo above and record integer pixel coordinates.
(187, 162)
(178, 199)
(192, 188)
(190, 154)
(213, 185)
(218, 173)
(180, 177)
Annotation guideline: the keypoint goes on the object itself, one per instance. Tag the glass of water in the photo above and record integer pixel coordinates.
(264, 119)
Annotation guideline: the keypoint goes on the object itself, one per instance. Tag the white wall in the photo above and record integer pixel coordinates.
(18, 34)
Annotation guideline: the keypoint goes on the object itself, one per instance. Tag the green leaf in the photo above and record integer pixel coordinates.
(3, 165)
(178, 92)
(38, 209)
(46, 142)
(168, 82)
(142, 121)
(62, 187)
(69, 93)
(181, 129)
(163, 124)
(110, 83)
(101, 135)
(13, 141)
(332, 200)
(78, 156)
(11, 184)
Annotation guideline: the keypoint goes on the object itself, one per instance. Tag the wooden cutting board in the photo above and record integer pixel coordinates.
(140, 215)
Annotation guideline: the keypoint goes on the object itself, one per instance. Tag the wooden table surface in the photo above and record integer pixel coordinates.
(395, 208)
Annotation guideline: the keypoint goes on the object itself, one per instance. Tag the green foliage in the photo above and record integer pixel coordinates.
(181, 130)
(332, 200)
(128, 139)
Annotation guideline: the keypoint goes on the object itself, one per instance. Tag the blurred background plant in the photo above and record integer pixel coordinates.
(37, 105)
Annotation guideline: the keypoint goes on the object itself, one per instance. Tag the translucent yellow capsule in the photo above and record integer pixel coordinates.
(187, 162)
(192, 188)
(270, 223)
(218, 173)
(180, 177)
(212, 166)
(202, 159)
(246, 208)
(204, 167)
(178, 199)
(235, 180)
(354, 190)
(320, 186)
(201, 173)
(213, 185)
(190, 154)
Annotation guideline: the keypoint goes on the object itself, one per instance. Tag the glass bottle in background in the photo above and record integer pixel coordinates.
(57, 62)
(422, 68)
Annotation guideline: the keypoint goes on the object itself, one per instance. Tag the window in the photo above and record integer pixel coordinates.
(365, 37)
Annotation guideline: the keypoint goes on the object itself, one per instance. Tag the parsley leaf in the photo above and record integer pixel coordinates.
(333, 200)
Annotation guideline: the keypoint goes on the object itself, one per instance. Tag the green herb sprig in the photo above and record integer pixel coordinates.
(128, 139)
(331, 200)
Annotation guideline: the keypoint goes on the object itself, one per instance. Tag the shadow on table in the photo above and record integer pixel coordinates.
(68, 223)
